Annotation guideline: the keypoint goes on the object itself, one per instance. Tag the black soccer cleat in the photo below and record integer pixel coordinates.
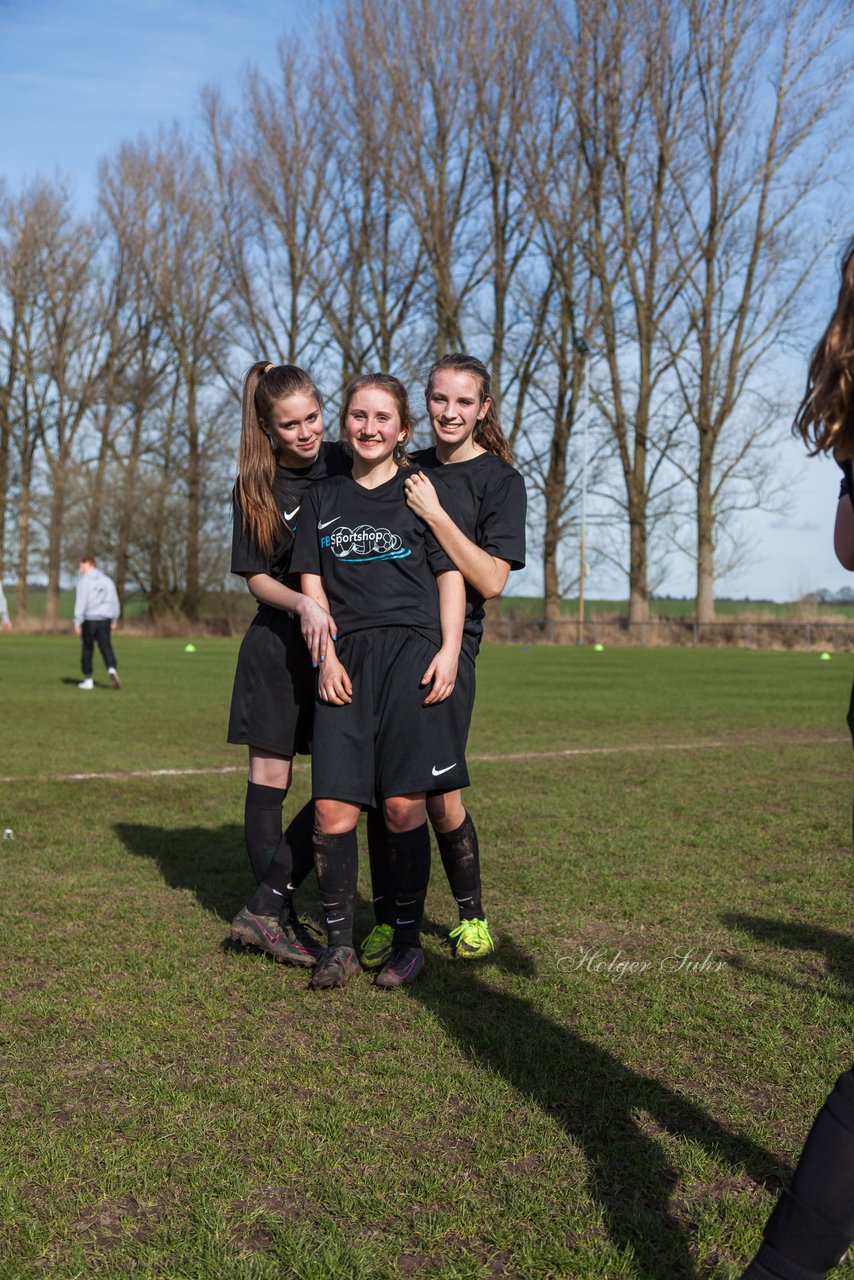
(267, 934)
(404, 967)
(334, 967)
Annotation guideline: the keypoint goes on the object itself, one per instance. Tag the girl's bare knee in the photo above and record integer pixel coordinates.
(404, 813)
(446, 812)
(335, 817)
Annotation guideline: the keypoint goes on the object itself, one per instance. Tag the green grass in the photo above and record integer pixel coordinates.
(174, 1107)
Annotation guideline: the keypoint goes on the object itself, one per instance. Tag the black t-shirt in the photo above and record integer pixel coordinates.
(376, 558)
(289, 486)
(488, 503)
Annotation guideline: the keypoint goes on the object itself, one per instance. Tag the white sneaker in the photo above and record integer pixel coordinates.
(86, 684)
(114, 677)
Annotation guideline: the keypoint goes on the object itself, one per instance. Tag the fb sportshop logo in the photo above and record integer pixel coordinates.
(365, 543)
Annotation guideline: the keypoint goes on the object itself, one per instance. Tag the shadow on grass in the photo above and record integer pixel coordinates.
(211, 862)
(614, 1114)
(789, 935)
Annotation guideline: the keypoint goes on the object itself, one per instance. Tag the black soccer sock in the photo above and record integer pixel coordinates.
(262, 825)
(336, 861)
(382, 894)
(461, 859)
(292, 861)
(812, 1223)
(409, 869)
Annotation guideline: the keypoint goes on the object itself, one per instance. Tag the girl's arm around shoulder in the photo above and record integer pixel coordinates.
(316, 622)
(485, 572)
(452, 611)
(843, 532)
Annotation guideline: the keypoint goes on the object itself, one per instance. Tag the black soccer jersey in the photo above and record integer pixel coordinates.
(489, 504)
(289, 485)
(376, 558)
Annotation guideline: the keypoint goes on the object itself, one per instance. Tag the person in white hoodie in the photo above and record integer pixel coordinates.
(96, 614)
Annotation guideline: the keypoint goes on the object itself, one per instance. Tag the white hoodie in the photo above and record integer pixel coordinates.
(96, 599)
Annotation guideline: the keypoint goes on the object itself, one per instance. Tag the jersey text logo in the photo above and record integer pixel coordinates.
(364, 543)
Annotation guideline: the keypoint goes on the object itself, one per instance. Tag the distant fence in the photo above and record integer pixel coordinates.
(730, 633)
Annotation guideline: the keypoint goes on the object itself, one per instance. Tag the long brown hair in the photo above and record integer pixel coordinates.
(825, 417)
(487, 433)
(263, 386)
(393, 387)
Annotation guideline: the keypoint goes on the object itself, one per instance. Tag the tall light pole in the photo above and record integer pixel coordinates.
(584, 351)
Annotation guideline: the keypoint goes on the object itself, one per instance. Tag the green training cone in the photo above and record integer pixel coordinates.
(825, 657)
(190, 648)
(599, 648)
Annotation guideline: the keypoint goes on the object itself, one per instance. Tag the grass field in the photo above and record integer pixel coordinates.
(177, 1107)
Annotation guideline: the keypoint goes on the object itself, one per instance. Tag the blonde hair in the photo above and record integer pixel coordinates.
(393, 387)
(487, 432)
(825, 416)
(263, 386)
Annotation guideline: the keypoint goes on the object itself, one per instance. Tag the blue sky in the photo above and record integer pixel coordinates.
(76, 79)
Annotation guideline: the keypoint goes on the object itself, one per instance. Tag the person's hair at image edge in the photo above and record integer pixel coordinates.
(87, 559)
(264, 385)
(825, 416)
(393, 387)
(487, 433)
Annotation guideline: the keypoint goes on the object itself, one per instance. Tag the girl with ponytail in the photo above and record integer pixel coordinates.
(281, 453)
(469, 470)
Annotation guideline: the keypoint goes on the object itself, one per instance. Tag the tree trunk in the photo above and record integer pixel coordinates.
(126, 516)
(54, 543)
(638, 579)
(192, 593)
(705, 535)
(22, 603)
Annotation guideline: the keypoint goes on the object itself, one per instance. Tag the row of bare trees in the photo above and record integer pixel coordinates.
(635, 191)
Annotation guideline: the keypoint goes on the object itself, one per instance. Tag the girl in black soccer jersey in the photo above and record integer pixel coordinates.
(473, 500)
(384, 727)
(812, 1224)
(281, 453)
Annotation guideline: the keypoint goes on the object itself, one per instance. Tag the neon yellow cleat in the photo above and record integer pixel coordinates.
(472, 940)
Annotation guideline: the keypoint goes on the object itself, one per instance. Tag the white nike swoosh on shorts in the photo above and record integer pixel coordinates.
(321, 524)
(436, 771)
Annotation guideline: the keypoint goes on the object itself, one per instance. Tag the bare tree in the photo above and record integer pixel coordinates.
(767, 84)
(177, 232)
(630, 64)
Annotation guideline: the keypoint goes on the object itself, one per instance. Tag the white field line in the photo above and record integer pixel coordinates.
(565, 753)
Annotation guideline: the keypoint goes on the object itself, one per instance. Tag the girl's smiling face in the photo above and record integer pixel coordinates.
(372, 425)
(295, 425)
(454, 405)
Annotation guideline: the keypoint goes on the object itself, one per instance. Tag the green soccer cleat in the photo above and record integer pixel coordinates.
(376, 948)
(472, 940)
